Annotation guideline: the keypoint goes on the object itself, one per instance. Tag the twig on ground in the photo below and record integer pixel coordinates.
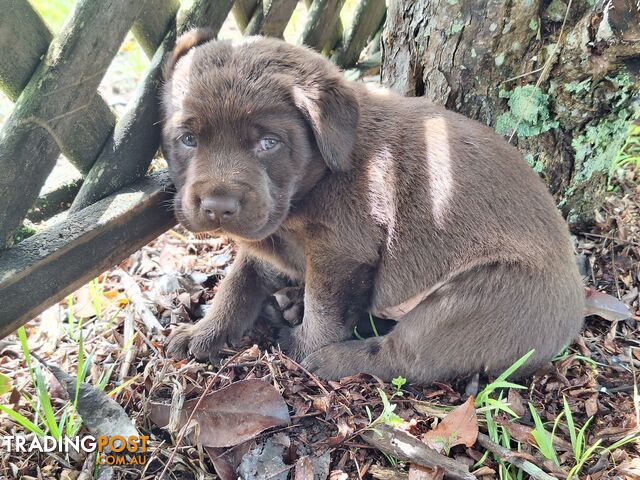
(508, 456)
(139, 301)
(129, 345)
(315, 379)
(406, 447)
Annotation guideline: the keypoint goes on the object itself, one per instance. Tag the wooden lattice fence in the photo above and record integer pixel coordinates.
(116, 207)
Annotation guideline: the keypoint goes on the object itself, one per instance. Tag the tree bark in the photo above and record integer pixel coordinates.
(559, 78)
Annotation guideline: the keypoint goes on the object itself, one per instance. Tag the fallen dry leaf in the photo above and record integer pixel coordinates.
(338, 475)
(523, 434)
(460, 427)
(230, 416)
(605, 306)
(344, 430)
(385, 473)
(516, 402)
(313, 467)
(484, 471)
(227, 460)
(517, 431)
(304, 469)
(630, 468)
(591, 405)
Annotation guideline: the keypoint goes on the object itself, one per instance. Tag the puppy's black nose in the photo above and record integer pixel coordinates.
(220, 207)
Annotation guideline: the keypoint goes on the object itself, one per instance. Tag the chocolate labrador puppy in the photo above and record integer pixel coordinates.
(374, 203)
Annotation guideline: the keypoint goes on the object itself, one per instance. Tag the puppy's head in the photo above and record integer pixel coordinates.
(249, 127)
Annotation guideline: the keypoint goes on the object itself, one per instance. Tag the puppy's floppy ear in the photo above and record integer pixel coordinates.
(331, 107)
(184, 43)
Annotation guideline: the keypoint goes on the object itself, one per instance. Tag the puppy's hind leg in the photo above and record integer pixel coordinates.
(482, 321)
(386, 357)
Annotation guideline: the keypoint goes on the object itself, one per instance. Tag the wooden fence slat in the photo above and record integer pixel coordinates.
(56, 98)
(45, 268)
(205, 13)
(24, 28)
(272, 19)
(243, 11)
(366, 19)
(24, 39)
(54, 201)
(323, 23)
(151, 25)
(128, 153)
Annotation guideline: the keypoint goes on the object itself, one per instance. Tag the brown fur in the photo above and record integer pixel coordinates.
(374, 203)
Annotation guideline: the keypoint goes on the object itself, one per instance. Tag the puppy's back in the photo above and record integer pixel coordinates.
(461, 197)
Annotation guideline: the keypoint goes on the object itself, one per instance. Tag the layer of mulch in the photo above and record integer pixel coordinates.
(178, 274)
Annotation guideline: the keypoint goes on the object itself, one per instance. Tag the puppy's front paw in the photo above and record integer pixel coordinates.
(177, 345)
(326, 363)
(292, 342)
(194, 340)
(290, 300)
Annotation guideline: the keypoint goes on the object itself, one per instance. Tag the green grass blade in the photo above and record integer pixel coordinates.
(633, 437)
(501, 382)
(373, 326)
(581, 461)
(502, 406)
(45, 404)
(544, 440)
(572, 429)
(356, 334)
(580, 441)
(21, 420)
(480, 462)
(63, 419)
(513, 368)
(106, 377)
(22, 336)
(5, 383)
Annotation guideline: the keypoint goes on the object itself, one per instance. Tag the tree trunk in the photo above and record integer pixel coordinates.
(560, 78)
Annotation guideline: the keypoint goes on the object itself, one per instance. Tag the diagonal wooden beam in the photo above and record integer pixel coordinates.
(366, 20)
(271, 17)
(243, 10)
(43, 269)
(56, 99)
(323, 26)
(153, 23)
(135, 140)
(24, 40)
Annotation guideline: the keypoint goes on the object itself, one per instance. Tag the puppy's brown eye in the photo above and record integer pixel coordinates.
(267, 143)
(189, 140)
